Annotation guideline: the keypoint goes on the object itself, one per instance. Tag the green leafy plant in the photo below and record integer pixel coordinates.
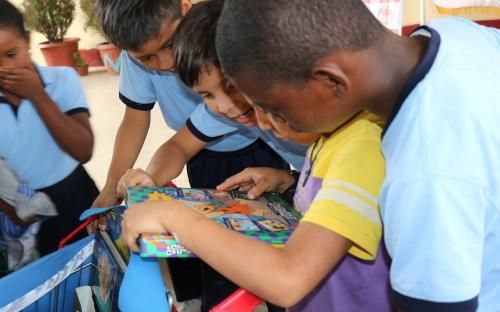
(52, 18)
(89, 9)
(79, 61)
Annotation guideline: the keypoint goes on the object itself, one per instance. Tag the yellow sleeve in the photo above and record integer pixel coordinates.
(347, 202)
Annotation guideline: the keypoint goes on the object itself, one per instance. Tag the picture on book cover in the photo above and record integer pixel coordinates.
(114, 219)
(108, 278)
(269, 218)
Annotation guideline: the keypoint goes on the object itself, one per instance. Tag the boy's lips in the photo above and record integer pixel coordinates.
(245, 118)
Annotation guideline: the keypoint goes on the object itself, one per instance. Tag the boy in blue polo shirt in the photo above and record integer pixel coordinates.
(46, 135)
(317, 63)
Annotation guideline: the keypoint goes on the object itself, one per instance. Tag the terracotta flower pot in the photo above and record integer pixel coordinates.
(60, 53)
(82, 70)
(111, 57)
(91, 57)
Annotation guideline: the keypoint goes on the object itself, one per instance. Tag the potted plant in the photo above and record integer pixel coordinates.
(80, 65)
(52, 18)
(109, 53)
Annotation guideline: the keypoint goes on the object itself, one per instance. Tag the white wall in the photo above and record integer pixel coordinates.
(411, 15)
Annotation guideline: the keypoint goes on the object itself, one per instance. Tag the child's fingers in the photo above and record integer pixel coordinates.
(237, 180)
(144, 180)
(245, 187)
(129, 237)
(121, 188)
(8, 86)
(262, 186)
(8, 83)
(131, 241)
(10, 76)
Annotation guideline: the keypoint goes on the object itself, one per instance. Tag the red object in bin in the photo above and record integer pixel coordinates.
(241, 301)
(82, 226)
(170, 184)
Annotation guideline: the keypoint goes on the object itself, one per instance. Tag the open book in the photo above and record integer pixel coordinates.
(269, 218)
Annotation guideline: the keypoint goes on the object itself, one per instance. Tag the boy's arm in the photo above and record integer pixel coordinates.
(169, 160)
(128, 144)
(281, 276)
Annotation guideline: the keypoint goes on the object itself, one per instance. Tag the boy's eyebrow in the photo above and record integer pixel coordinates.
(202, 92)
(262, 105)
(168, 43)
(13, 49)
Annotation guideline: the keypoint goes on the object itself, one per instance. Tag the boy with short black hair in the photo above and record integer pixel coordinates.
(315, 64)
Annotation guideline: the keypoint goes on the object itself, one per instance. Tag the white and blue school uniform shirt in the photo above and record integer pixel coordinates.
(141, 88)
(25, 141)
(207, 126)
(440, 201)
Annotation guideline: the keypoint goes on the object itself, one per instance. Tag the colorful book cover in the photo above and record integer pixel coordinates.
(114, 219)
(269, 218)
(107, 280)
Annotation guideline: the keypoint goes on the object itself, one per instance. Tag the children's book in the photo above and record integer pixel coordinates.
(109, 273)
(269, 218)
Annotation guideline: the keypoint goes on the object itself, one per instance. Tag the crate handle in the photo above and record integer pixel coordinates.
(82, 226)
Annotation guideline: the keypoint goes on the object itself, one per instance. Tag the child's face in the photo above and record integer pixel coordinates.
(13, 50)
(279, 126)
(320, 105)
(156, 53)
(223, 98)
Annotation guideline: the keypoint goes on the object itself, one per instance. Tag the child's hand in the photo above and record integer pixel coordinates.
(133, 177)
(260, 180)
(141, 218)
(23, 82)
(107, 198)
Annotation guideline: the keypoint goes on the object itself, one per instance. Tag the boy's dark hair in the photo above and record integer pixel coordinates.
(194, 41)
(130, 23)
(11, 18)
(280, 40)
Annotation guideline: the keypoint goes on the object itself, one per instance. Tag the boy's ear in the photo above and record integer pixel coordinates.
(333, 77)
(186, 6)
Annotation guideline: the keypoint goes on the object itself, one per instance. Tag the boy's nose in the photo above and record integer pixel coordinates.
(262, 120)
(225, 105)
(165, 61)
